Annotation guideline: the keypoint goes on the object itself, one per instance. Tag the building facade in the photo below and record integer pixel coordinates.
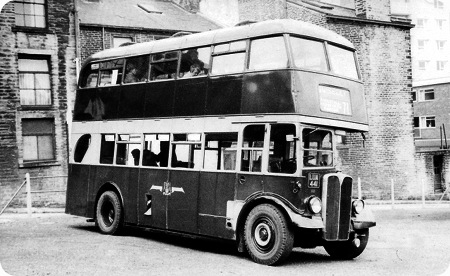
(430, 49)
(383, 43)
(37, 71)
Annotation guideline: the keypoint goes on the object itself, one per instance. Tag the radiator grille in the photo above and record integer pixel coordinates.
(337, 193)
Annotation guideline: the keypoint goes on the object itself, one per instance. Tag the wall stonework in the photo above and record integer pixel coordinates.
(384, 56)
(95, 39)
(57, 43)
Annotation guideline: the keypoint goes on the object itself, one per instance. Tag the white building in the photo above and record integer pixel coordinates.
(430, 38)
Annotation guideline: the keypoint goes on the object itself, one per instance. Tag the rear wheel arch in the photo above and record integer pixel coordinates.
(108, 186)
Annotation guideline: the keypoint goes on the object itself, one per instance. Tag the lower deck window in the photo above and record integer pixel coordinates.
(186, 151)
(220, 151)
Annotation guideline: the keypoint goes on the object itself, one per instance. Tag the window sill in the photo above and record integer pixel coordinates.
(35, 164)
(35, 107)
(31, 30)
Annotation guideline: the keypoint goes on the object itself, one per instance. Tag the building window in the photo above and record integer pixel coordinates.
(423, 65)
(119, 41)
(38, 143)
(34, 81)
(440, 23)
(426, 94)
(414, 96)
(440, 44)
(421, 23)
(425, 122)
(438, 4)
(440, 65)
(30, 13)
(428, 122)
(421, 43)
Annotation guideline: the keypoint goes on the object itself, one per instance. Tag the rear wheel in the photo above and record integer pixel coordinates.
(268, 237)
(109, 213)
(347, 250)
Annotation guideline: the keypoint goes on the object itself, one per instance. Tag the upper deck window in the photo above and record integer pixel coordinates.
(342, 62)
(195, 62)
(164, 66)
(136, 69)
(309, 54)
(229, 58)
(111, 72)
(89, 76)
(268, 53)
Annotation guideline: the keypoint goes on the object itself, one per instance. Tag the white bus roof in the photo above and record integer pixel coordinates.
(279, 26)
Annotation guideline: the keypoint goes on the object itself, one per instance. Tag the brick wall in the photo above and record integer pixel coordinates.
(95, 39)
(377, 10)
(58, 45)
(384, 56)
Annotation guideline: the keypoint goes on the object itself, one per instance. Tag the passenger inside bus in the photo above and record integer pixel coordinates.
(194, 70)
(136, 154)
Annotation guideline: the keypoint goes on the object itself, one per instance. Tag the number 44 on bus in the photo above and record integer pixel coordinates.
(230, 134)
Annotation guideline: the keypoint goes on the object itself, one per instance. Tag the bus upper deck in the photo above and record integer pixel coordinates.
(273, 67)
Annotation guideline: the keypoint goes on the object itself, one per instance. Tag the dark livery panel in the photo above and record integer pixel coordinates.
(283, 91)
(233, 94)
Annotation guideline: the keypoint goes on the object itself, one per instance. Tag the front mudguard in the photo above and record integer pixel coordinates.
(364, 220)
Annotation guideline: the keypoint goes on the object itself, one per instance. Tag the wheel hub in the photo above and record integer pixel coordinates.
(263, 234)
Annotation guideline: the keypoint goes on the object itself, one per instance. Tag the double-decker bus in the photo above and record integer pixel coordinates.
(228, 133)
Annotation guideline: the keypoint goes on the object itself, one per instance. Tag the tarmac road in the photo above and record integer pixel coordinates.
(406, 241)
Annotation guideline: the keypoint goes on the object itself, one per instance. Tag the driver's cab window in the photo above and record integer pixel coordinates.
(282, 150)
(317, 148)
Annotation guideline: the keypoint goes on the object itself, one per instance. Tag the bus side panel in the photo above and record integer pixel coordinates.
(267, 92)
(248, 184)
(77, 189)
(190, 97)
(159, 99)
(81, 110)
(108, 102)
(131, 102)
(284, 187)
(126, 180)
(183, 201)
(224, 95)
(215, 190)
(152, 202)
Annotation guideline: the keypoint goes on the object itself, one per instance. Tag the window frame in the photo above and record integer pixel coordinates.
(31, 28)
(47, 59)
(35, 134)
(230, 51)
(250, 46)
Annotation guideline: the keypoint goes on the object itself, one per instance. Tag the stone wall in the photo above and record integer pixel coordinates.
(57, 43)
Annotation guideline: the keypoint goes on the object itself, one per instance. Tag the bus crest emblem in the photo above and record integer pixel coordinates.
(167, 188)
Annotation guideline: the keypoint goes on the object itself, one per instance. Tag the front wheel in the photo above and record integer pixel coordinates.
(109, 213)
(268, 237)
(350, 249)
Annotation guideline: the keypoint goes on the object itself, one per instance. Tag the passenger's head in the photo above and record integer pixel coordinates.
(195, 69)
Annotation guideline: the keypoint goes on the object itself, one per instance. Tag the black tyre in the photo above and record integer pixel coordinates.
(267, 234)
(347, 250)
(109, 213)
